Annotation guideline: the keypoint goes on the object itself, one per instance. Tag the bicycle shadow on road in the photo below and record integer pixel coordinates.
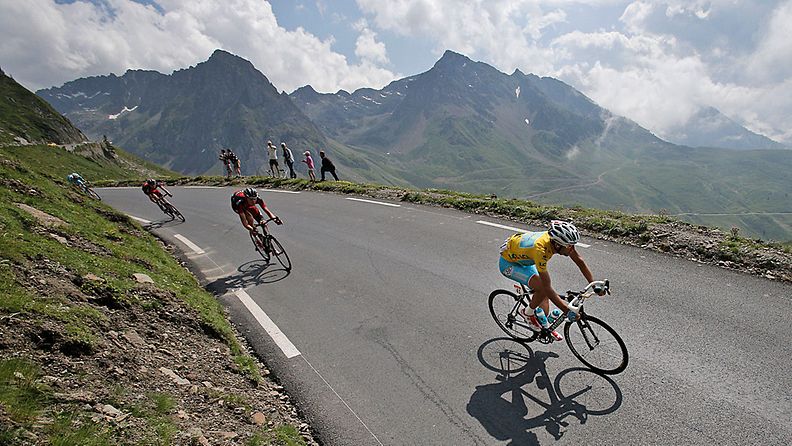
(510, 409)
(164, 223)
(255, 272)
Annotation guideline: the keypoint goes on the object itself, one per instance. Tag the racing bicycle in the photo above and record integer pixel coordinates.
(169, 209)
(268, 246)
(591, 340)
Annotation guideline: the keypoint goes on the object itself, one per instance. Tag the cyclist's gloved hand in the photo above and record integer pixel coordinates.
(278, 221)
(572, 313)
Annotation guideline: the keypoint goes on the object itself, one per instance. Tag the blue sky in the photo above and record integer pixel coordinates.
(654, 61)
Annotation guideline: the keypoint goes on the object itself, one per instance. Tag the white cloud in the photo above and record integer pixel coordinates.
(367, 48)
(43, 43)
(772, 61)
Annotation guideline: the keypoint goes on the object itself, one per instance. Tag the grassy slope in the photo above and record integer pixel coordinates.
(54, 163)
(24, 114)
(129, 249)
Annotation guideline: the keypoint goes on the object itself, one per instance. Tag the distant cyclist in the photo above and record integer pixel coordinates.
(524, 257)
(151, 188)
(75, 179)
(244, 202)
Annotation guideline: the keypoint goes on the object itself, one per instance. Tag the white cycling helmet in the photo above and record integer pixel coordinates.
(250, 192)
(563, 232)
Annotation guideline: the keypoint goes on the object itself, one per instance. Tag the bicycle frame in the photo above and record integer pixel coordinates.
(590, 290)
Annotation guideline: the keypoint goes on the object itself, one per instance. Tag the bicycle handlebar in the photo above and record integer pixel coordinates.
(263, 223)
(596, 287)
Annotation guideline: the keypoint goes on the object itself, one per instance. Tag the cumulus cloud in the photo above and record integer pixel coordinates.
(657, 62)
(44, 43)
(367, 48)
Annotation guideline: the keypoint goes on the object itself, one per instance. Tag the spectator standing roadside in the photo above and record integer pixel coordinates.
(288, 157)
(273, 160)
(327, 166)
(226, 161)
(309, 161)
(234, 162)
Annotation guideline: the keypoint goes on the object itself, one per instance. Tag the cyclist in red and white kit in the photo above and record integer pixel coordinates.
(244, 202)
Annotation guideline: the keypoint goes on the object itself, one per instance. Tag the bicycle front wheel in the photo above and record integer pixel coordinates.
(175, 212)
(279, 253)
(504, 307)
(596, 345)
(91, 193)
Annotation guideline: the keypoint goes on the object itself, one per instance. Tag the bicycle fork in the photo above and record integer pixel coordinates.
(588, 333)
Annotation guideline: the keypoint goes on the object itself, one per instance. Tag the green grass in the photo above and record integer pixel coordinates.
(21, 396)
(163, 402)
(283, 435)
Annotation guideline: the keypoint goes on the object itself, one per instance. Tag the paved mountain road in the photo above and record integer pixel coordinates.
(392, 342)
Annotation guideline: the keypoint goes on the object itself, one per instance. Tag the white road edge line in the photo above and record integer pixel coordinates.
(375, 202)
(266, 323)
(282, 191)
(196, 249)
(201, 187)
(142, 220)
(511, 228)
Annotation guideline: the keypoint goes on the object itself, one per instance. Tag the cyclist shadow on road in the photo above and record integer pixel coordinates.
(164, 223)
(509, 409)
(255, 272)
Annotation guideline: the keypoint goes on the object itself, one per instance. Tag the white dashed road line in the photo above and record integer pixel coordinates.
(375, 202)
(196, 249)
(511, 228)
(266, 323)
(282, 191)
(142, 220)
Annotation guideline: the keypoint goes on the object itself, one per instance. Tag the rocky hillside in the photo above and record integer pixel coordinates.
(26, 119)
(182, 120)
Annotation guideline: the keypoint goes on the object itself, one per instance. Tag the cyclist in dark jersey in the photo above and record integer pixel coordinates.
(244, 202)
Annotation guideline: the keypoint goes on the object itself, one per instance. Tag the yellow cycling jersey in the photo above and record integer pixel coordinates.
(529, 248)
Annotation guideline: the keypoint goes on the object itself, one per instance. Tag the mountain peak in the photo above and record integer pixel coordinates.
(224, 57)
(451, 58)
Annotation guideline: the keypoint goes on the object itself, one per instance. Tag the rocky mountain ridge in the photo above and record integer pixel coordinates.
(182, 120)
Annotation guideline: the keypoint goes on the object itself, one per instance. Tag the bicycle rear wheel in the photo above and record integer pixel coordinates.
(504, 306)
(596, 345)
(279, 253)
(260, 245)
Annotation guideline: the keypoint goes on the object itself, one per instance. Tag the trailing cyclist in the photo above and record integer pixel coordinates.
(75, 179)
(524, 257)
(151, 188)
(244, 202)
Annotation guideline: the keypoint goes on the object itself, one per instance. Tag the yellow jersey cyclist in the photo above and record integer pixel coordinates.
(524, 258)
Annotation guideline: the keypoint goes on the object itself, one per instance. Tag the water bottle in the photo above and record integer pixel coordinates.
(540, 316)
(573, 312)
(555, 314)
